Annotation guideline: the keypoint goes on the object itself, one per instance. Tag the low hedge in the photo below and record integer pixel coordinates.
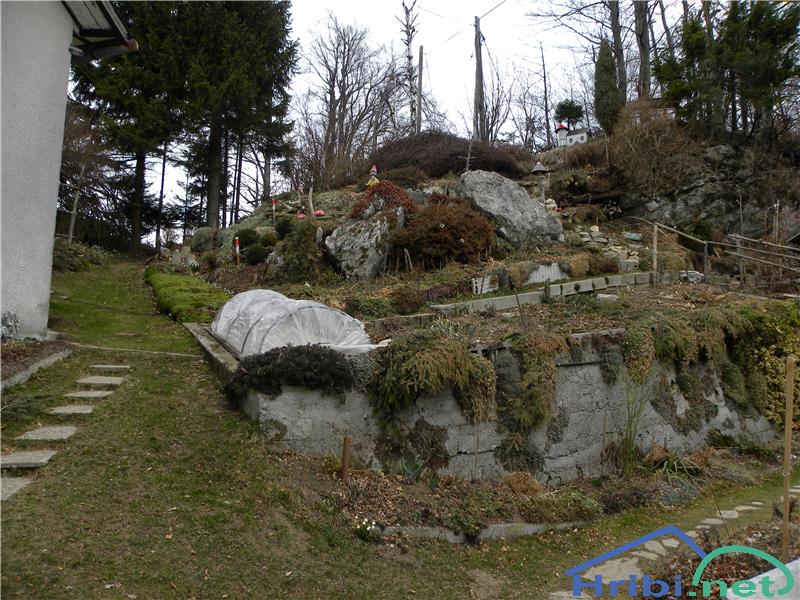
(185, 298)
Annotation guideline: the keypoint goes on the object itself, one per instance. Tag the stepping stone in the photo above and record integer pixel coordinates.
(670, 543)
(27, 459)
(757, 503)
(655, 546)
(72, 409)
(100, 381)
(11, 485)
(88, 394)
(713, 521)
(49, 433)
(692, 534)
(111, 368)
(647, 555)
(745, 507)
(728, 514)
(702, 527)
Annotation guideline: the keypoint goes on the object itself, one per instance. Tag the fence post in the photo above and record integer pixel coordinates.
(739, 255)
(787, 454)
(345, 474)
(655, 254)
(706, 263)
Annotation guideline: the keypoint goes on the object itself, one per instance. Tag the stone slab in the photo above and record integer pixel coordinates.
(585, 285)
(72, 409)
(27, 459)
(49, 433)
(628, 279)
(744, 507)
(607, 297)
(88, 394)
(613, 280)
(728, 514)
(553, 291)
(642, 278)
(111, 368)
(100, 381)
(11, 485)
(713, 521)
(599, 283)
(646, 555)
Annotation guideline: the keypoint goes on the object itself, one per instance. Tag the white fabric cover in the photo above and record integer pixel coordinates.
(257, 321)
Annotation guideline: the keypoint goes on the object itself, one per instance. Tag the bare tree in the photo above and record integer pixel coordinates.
(641, 14)
(531, 129)
(409, 29)
(497, 105)
(351, 106)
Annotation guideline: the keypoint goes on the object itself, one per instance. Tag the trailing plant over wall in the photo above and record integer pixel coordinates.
(428, 363)
(384, 196)
(313, 366)
(302, 255)
(638, 351)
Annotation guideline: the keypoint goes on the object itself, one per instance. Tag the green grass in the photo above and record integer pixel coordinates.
(185, 297)
(166, 493)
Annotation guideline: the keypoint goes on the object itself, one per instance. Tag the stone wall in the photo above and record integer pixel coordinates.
(589, 411)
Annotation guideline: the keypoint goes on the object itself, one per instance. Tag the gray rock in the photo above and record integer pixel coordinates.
(111, 368)
(27, 459)
(72, 409)
(100, 381)
(360, 247)
(519, 219)
(10, 325)
(720, 154)
(49, 433)
(88, 394)
(691, 276)
(11, 485)
(607, 297)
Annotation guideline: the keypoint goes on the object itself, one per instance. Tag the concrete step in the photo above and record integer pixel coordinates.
(100, 381)
(49, 433)
(72, 409)
(88, 394)
(111, 368)
(11, 485)
(27, 459)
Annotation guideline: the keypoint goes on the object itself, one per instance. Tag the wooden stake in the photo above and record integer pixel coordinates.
(345, 459)
(655, 254)
(418, 124)
(787, 453)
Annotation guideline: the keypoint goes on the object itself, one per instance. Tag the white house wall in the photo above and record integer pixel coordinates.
(35, 70)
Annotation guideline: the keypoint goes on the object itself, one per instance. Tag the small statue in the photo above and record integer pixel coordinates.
(373, 176)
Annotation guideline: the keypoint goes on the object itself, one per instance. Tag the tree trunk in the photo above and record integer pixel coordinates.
(642, 30)
(223, 196)
(238, 192)
(267, 176)
(619, 53)
(138, 200)
(715, 104)
(667, 32)
(161, 200)
(214, 172)
(479, 116)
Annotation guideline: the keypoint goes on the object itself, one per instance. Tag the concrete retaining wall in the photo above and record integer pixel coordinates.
(588, 412)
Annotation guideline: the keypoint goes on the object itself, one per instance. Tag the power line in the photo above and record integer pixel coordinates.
(486, 14)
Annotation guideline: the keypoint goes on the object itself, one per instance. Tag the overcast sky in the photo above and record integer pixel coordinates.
(445, 29)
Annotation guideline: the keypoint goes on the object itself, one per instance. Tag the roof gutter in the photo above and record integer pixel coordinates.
(89, 53)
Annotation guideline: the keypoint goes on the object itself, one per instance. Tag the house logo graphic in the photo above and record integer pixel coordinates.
(642, 585)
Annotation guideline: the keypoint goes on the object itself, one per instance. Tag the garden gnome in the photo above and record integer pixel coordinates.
(373, 176)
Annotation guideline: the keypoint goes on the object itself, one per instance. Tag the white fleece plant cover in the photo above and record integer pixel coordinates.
(257, 321)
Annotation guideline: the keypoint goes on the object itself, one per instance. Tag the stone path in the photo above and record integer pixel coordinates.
(636, 561)
(33, 459)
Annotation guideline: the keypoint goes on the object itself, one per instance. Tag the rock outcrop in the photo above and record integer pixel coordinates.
(521, 220)
(360, 247)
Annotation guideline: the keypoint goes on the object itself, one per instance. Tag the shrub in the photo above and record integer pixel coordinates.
(576, 265)
(255, 254)
(638, 351)
(209, 260)
(203, 239)
(427, 363)
(589, 213)
(385, 196)
(733, 384)
(567, 183)
(247, 237)
(284, 225)
(302, 256)
(314, 367)
(437, 154)
(406, 177)
(522, 483)
(373, 307)
(407, 300)
(269, 240)
(518, 453)
(675, 339)
(591, 154)
(185, 297)
(600, 265)
(77, 256)
(447, 230)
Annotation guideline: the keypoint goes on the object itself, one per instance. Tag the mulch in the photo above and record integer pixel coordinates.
(16, 356)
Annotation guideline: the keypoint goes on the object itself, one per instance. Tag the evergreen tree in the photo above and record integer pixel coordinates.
(137, 96)
(607, 99)
(569, 111)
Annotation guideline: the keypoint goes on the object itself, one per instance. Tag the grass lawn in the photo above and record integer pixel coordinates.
(166, 493)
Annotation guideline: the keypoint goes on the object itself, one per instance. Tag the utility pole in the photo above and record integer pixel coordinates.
(548, 124)
(419, 94)
(161, 200)
(478, 117)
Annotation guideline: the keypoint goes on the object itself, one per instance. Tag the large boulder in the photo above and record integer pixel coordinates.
(521, 220)
(360, 246)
